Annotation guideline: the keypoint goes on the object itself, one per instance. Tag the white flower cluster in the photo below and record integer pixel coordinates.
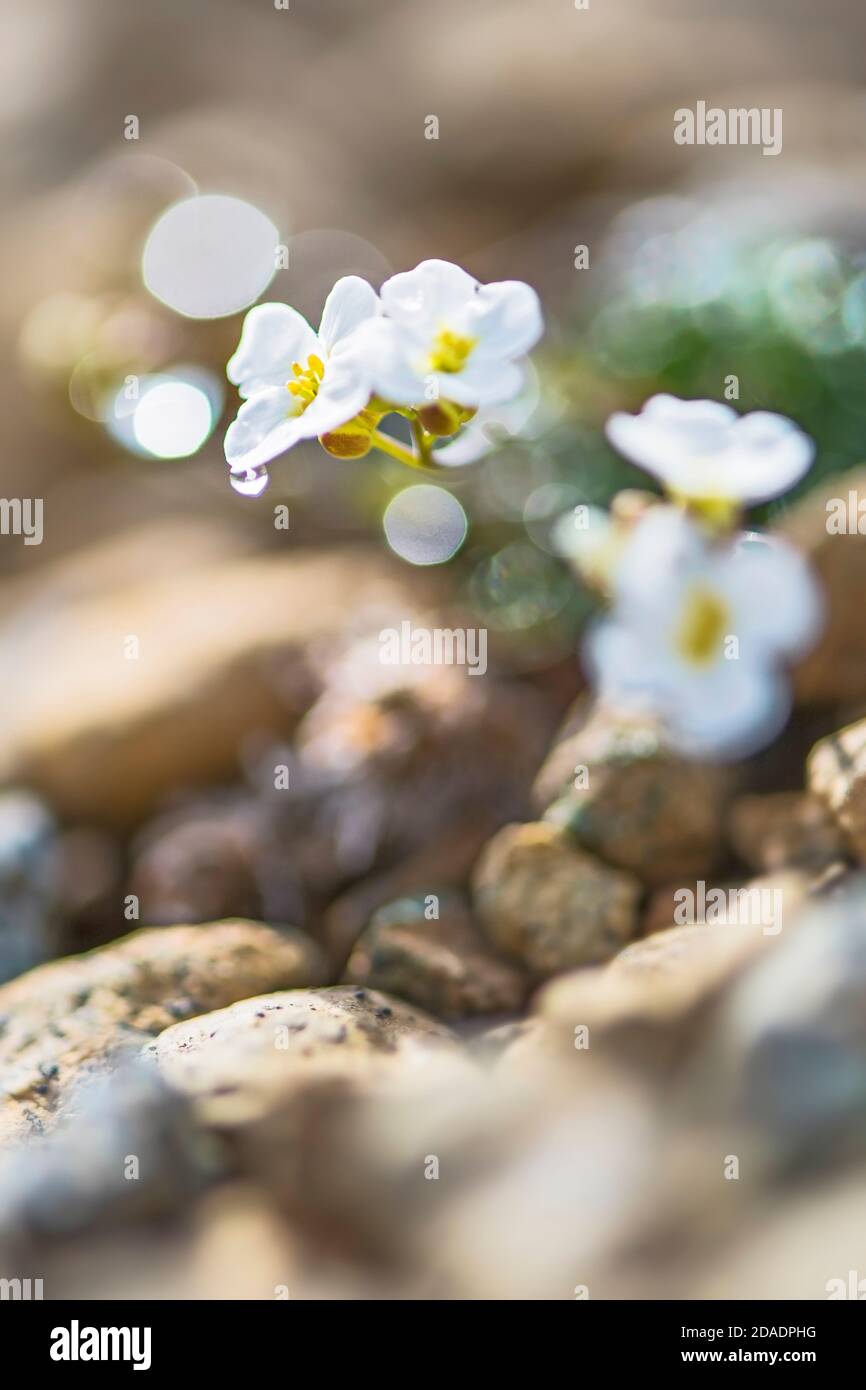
(703, 618)
(434, 344)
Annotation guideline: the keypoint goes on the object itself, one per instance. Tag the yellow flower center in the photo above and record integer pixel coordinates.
(702, 626)
(305, 387)
(450, 351)
(717, 513)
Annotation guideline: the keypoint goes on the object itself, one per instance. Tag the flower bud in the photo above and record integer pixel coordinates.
(352, 440)
(443, 417)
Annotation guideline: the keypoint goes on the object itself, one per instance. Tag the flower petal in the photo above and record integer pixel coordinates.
(483, 381)
(730, 713)
(769, 456)
(668, 431)
(255, 420)
(703, 449)
(351, 302)
(614, 655)
(506, 319)
(664, 548)
(493, 424)
(393, 361)
(434, 293)
(344, 391)
(788, 618)
(266, 425)
(273, 337)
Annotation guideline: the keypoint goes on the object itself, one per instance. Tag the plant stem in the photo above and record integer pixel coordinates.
(422, 442)
(397, 451)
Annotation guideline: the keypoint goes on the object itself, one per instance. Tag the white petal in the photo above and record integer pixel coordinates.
(273, 337)
(433, 294)
(255, 420)
(505, 318)
(663, 550)
(704, 449)
(494, 424)
(392, 358)
(344, 391)
(266, 425)
(775, 598)
(769, 455)
(729, 713)
(624, 668)
(351, 302)
(592, 550)
(668, 432)
(483, 381)
(699, 426)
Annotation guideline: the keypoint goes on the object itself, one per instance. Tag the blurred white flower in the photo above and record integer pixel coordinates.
(705, 451)
(699, 633)
(592, 542)
(299, 384)
(445, 336)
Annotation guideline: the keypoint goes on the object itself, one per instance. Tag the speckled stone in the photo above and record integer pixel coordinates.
(241, 1061)
(441, 964)
(550, 905)
(836, 775)
(624, 794)
(65, 1020)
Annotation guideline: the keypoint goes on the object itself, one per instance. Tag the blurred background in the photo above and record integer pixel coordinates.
(170, 642)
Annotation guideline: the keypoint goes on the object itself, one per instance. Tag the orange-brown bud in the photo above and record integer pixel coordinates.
(443, 417)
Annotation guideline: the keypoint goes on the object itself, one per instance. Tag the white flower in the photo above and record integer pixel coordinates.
(591, 543)
(699, 633)
(705, 451)
(493, 425)
(447, 336)
(299, 384)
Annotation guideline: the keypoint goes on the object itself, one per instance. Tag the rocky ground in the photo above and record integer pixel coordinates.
(332, 980)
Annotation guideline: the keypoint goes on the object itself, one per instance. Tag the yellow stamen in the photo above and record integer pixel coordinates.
(306, 388)
(450, 351)
(702, 627)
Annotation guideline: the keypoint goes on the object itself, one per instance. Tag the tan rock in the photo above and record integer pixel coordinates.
(787, 1051)
(648, 1006)
(152, 683)
(660, 909)
(63, 1021)
(808, 1247)
(768, 900)
(836, 775)
(442, 964)
(698, 952)
(550, 905)
(496, 1044)
(834, 672)
(240, 1062)
(626, 796)
(784, 829)
(557, 1201)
